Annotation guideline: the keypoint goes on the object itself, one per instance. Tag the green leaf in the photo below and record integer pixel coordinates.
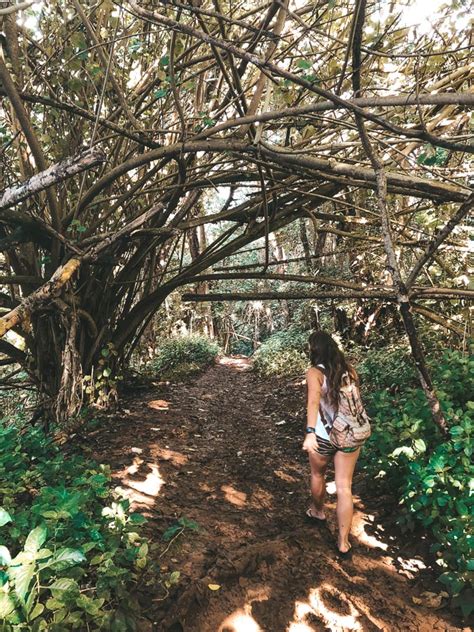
(453, 583)
(420, 445)
(137, 518)
(89, 605)
(4, 517)
(63, 585)
(160, 93)
(189, 524)
(462, 508)
(54, 604)
(171, 531)
(36, 539)
(66, 557)
(5, 557)
(52, 515)
(7, 605)
(37, 610)
(304, 63)
(22, 576)
(43, 553)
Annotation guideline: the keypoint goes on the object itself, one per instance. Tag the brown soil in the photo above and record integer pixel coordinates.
(225, 451)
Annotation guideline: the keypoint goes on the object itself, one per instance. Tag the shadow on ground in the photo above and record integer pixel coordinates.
(225, 451)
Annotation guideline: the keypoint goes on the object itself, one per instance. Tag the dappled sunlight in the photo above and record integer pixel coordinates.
(240, 621)
(409, 567)
(151, 485)
(317, 606)
(284, 476)
(299, 627)
(261, 498)
(359, 524)
(144, 491)
(232, 495)
(165, 454)
(239, 363)
(159, 404)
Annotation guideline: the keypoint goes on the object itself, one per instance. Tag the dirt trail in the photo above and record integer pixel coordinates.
(225, 451)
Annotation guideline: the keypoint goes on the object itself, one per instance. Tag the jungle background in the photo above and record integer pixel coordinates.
(188, 190)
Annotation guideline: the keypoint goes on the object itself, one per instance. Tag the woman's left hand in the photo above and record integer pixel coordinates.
(310, 442)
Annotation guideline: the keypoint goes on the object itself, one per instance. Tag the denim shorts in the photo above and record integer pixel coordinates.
(326, 448)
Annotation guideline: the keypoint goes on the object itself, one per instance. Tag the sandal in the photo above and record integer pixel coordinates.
(344, 555)
(314, 519)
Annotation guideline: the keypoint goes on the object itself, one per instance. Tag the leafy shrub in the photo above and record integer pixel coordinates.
(282, 354)
(432, 476)
(180, 357)
(70, 553)
(389, 367)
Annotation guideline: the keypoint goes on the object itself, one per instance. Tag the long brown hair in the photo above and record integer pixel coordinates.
(323, 349)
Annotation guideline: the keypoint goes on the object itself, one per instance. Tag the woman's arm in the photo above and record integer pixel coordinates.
(314, 382)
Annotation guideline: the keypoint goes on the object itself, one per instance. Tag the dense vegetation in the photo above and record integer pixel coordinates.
(183, 357)
(71, 555)
(432, 477)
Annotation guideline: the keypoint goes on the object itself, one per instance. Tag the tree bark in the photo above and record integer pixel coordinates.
(22, 312)
(54, 174)
(394, 269)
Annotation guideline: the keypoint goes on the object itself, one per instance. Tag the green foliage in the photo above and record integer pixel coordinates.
(282, 354)
(101, 386)
(387, 367)
(70, 553)
(180, 357)
(432, 477)
(433, 156)
(179, 527)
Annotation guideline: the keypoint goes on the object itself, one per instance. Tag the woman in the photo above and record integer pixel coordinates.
(323, 380)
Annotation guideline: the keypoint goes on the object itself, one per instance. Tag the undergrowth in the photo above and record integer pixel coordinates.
(282, 354)
(432, 476)
(70, 551)
(178, 358)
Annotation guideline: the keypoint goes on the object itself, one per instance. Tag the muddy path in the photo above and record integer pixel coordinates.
(225, 452)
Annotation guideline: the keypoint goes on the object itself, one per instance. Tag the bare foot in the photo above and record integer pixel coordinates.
(316, 513)
(343, 546)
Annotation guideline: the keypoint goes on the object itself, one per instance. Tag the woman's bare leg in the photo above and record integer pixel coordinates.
(344, 465)
(318, 483)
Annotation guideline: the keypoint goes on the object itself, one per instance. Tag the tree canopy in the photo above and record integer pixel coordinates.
(145, 143)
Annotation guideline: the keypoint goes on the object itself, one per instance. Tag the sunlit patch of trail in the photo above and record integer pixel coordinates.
(224, 451)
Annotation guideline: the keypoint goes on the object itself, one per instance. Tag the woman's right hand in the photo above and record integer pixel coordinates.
(310, 442)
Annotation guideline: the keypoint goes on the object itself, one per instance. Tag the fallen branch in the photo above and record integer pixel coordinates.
(345, 173)
(443, 321)
(14, 8)
(441, 236)
(50, 288)
(388, 295)
(56, 173)
(289, 296)
(402, 291)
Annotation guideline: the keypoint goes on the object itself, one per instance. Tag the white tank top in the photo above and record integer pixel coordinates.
(328, 410)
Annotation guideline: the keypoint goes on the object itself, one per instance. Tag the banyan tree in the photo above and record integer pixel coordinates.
(145, 143)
